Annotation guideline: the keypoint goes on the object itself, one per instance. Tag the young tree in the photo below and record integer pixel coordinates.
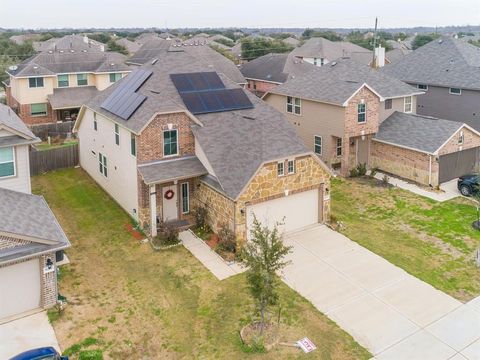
(263, 255)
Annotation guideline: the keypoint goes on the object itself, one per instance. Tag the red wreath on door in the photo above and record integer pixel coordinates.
(169, 194)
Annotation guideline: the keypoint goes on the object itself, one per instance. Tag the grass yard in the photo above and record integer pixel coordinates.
(46, 146)
(432, 241)
(128, 301)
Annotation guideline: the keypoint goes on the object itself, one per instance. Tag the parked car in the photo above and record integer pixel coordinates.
(468, 185)
(45, 353)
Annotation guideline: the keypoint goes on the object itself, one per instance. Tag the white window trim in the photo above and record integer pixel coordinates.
(461, 138)
(102, 162)
(38, 115)
(132, 137)
(293, 106)
(58, 81)
(116, 130)
(86, 78)
(364, 112)
(426, 87)
(115, 74)
(36, 87)
(452, 93)
(188, 196)
(283, 168)
(163, 144)
(339, 147)
(294, 166)
(95, 122)
(14, 164)
(315, 144)
(405, 104)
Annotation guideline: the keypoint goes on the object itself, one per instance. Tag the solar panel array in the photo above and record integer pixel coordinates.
(124, 100)
(205, 93)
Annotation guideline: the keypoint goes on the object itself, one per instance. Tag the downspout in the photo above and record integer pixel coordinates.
(430, 170)
(235, 218)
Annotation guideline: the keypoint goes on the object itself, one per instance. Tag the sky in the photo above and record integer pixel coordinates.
(236, 13)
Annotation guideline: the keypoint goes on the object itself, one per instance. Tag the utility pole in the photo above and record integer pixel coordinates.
(374, 44)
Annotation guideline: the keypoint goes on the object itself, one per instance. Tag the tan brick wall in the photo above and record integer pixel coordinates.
(49, 282)
(24, 113)
(150, 141)
(471, 140)
(260, 87)
(9, 242)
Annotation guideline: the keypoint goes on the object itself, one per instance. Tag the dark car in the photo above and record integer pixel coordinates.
(45, 353)
(468, 185)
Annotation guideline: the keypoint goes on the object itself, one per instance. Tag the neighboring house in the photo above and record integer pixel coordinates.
(397, 54)
(292, 41)
(21, 39)
(156, 49)
(30, 236)
(195, 138)
(52, 85)
(268, 71)
(131, 46)
(447, 70)
(75, 42)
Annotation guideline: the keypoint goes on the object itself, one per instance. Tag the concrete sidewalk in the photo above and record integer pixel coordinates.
(209, 258)
(391, 313)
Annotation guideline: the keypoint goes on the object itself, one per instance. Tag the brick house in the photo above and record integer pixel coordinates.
(52, 85)
(168, 156)
(30, 236)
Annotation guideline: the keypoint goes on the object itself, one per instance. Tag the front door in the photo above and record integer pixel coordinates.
(362, 150)
(169, 201)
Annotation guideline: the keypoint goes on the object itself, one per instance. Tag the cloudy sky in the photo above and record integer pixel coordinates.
(236, 13)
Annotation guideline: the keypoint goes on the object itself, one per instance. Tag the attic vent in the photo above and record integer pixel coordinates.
(440, 41)
(155, 92)
(248, 117)
(84, 50)
(50, 51)
(154, 61)
(333, 63)
(72, 51)
(352, 81)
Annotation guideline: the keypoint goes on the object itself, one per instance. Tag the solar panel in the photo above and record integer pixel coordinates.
(216, 100)
(199, 81)
(124, 100)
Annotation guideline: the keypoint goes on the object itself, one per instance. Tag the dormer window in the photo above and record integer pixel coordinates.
(170, 142)
(362, 112)
(7, 162)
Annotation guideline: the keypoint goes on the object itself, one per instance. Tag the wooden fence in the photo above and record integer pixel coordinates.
(59, 158)
(61, 130)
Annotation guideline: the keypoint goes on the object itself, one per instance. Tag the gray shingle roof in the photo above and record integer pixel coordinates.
(10, 119)
(131, 46)
(172, 169)
(444, 62)
(76, 42)
(337, 81)
(396, 55)
(27, 216)
(275, 67)
(57, 62)
(235, 142)
(417, 132)
(71, 97)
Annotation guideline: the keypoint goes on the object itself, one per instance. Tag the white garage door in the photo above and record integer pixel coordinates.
(293, 211)
(19, 288)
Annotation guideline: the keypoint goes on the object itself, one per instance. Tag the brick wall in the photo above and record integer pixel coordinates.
(471, 140)
(23, 111)
(9, 242)
(260, 87)
(150, 141)
(49, 282)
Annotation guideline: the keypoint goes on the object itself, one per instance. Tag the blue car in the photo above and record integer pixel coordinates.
(45, 353)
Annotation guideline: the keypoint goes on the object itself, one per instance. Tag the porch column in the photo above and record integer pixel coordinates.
(153, 211)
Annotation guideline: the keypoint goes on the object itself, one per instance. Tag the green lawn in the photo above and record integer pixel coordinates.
(131, 302)
(431, 240)
(46, 146)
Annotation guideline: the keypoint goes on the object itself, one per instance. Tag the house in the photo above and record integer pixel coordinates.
(447, 70)
(268, 71)
(76, 42)
(30, 236)
(395, 55)
(320, 51)
(22, 39)
(131, 46)
(52, 85)
(194, 138)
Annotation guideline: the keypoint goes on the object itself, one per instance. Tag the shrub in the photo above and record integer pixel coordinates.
(200, 214)
(373, 172)
(362, 169)
(167, 235)
(227, 239)
(354, 172)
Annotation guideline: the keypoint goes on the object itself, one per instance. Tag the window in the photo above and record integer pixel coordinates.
(455, 91)
(7, 162)
(185, 198)
(422, 87)
(82, 79)
(362, 113)
(38, 109)
(35, 82)
(62, 80)
(293, 105)
(318, 145)
(170, 143)
(461, 138)
(95, 124)
(114, 77)
(407, 104)
(280, 168)
(133, 144)
(117, 134)
(339, 147)
(291, 166)
(254, 86)
(102, 162)
(315, 62)
(388, 104)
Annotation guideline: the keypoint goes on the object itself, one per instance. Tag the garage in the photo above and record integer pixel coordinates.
(20, 288)
(293, 212)
(459, 163)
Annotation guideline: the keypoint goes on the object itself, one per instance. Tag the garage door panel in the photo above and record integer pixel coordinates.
(290, 212)
(457, 164)
(19, 288)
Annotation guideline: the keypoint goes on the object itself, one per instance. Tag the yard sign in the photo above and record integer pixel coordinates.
(306, 345)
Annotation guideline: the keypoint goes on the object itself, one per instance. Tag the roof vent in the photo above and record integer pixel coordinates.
(35, 67)
(248, 117)
(154, 61)
(61, 51)
(72, 51)
(112, 64)
(13, 67)
(84, 50)
(440, 41)
(333, 63)
(50, 51)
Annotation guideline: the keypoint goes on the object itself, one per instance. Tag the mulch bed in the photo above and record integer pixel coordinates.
(136, 234)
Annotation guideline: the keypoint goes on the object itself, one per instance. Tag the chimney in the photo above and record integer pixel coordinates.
(379, 56)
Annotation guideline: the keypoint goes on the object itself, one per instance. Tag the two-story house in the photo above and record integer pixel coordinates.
(30, 236)
(52, 85)
(341, 109)
(179, 133)
(446, 69)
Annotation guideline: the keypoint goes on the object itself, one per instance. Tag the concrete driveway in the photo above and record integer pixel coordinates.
(27, 333)
(391, 313)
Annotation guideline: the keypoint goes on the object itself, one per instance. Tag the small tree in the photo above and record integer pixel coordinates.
(263, 255)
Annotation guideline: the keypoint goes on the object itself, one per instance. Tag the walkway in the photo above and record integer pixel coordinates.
(391, 313)
(209, 258)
